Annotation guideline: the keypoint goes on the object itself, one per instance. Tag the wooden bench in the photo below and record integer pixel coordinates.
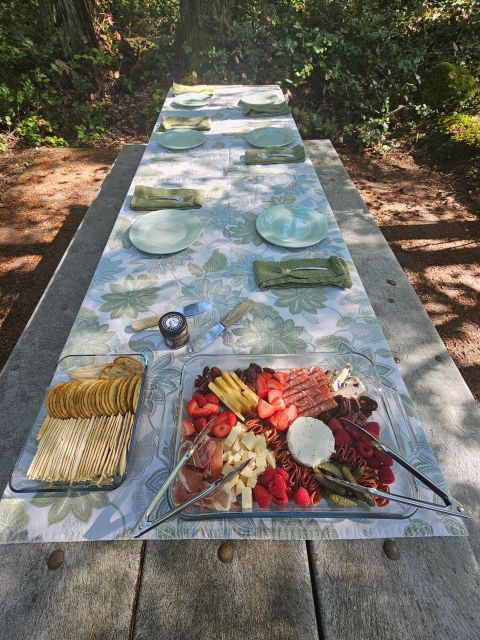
(279, 590)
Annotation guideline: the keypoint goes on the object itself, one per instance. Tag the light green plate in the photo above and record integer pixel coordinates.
(262, 98)
(192, 100)
(181, 139)
(292, 226)
(166, 231)
(270, 137)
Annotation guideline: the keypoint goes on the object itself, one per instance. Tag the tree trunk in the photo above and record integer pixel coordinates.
(202, 25)
(73, 20)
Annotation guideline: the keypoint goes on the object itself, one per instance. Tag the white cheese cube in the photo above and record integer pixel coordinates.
(260, 442)
(232, 436)
(247, 472)
(236, 446)
(247, 498)
(260, 468)
(239, 487)
(249, 440)
(225, 455)
(231, 483)
(251, 482)
(271, 459)
(261, 461)
(226, 469)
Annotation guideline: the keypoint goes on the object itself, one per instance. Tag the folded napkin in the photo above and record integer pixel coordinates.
(177, 89)
(151, 198)
(274, 275)
(201, 123)
(265, 110)
(275, 155)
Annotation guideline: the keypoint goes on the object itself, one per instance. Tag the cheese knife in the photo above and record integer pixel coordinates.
(189, 310)
(212, 334)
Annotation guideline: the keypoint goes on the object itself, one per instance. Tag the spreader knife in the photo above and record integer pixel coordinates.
(212, 334)
(189, 310)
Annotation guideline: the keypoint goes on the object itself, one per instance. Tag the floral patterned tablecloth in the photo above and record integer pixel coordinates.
(129, 284)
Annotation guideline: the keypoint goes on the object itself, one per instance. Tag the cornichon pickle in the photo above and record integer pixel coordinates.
(368, 499)
(328, 484)
(342, 501)
(358, 472)
(330, 468)
(348, 475)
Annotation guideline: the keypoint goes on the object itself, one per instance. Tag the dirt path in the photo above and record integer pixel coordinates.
(434, 232)
(44, 196)
(435, 235)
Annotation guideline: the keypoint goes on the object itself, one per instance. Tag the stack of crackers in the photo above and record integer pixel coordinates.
(86, 434)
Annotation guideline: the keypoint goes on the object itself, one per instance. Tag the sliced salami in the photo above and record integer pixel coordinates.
(321, 407)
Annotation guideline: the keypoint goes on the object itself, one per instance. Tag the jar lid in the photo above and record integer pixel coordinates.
(171, 324)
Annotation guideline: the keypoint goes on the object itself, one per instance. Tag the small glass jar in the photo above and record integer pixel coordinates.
(174, 329)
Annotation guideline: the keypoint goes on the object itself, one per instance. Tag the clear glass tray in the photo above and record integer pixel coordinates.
(20, 483)
(396, 431)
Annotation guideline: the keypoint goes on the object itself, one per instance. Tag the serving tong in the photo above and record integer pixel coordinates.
(146, 523)
(451, 506)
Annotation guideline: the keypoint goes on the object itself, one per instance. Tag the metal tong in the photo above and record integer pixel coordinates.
(451, 506)
(146, 523)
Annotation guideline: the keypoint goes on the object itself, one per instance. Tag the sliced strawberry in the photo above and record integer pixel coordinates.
(211, 397)
(191, 407)
(279, 403)
(199, 423)
(262, 388)
(231, 418)
(280, 420)
(187, 428)
(281, 376)
(274, 393)
(274, 384)
(264, 409)
(292, 413)
(220, 430)
(267, 375)
(199, 399)
(208, 410)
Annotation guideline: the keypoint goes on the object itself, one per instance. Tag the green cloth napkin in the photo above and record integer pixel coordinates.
(201, 123)
(177, 89)
(271, 275)
(275, 155)
(143, 200)
(265, 110)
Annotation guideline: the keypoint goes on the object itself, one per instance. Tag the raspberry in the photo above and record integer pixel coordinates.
(373, 428)
(261, 496)
(386, 476)
(384, 458)
(283, 474)
(374, 463)
(342, 438)
(301, 497)
(335, 425)
(282, 500)
(267, 476)
(277, 487)
(364, 450)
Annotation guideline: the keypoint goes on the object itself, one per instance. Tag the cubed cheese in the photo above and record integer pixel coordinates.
(261, 461)
(230, 439)
(236, 446)
(260, 442)
(231, 483)
(247, 472)
(247, 498)
(271, 459)
(239, 487)
(249, 440)
(251, 482)
(225, 455)
(226, 469)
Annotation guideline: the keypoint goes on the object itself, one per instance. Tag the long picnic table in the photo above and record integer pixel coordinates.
(291, 588)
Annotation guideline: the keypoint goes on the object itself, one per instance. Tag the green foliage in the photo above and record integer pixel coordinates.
(353, 68)
(457, 138)
(446, 86)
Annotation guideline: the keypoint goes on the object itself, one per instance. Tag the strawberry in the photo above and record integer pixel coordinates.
(279, 403)
(373, 462)
(206, 411)
(199, 423)
(292, 413)
(226, 417)
(187, 428)
(211, 397)
(199, 399)
(274, 393)
(281, 376)
(386, 475)
(274, 384)
(280, 420)
(191, 407)
(264, 409)
(262, 388)
(220, 430)
(261, 496)
(267, 375)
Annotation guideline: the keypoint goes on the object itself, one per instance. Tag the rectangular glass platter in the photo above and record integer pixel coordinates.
(395, 431)
(20, 483)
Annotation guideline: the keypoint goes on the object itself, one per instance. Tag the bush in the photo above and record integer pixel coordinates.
(447, 86)
(457, 138)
